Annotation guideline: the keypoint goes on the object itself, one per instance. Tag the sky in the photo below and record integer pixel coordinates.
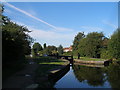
(56, 23)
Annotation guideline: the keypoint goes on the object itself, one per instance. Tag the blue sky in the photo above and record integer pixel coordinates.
(58, 23)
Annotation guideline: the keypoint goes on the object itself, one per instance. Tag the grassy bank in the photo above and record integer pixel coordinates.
(88, 58)
(46, 66)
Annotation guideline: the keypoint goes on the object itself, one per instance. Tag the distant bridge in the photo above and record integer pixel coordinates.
(70, 58)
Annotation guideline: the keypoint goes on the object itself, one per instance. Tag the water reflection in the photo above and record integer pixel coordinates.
(91, 77)
(113, 73)
(104, 77)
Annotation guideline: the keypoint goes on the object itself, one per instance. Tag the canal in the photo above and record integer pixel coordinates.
(80, 76)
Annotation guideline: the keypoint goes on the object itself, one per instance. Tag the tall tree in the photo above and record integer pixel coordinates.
(114, 44)
(36, 48)
(94, 44)
(60, 50)
(77, 39)
(15, 41)
(51, 50)
(82, 47)
(104, 50)
(91, 45)
(44, 45)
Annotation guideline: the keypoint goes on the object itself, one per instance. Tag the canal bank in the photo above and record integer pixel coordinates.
(52, 77)
(49, 72)
(104, 62)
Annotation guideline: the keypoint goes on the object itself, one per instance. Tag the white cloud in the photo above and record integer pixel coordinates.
(109, 24)
(63, 36)
(51, 37)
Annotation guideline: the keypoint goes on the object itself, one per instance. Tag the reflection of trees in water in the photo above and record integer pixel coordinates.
(94, 76)
(113, 72)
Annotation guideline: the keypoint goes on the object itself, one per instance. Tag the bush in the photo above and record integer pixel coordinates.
(105, 54)
(67, 53)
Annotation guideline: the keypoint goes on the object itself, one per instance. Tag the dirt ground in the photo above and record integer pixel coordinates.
(22, 79)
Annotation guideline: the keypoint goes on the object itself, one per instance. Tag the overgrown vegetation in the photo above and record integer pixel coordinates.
(96, 45)
(15, 45)
(38, 50)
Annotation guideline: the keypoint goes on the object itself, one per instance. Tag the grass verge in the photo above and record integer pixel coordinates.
(46, 65)
(88, 59)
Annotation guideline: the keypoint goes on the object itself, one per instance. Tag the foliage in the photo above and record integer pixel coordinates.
(94, 44)
(76, 41)
(105, 54)
(105, 43)
(51, 50)
(40, 53)
(104, 50)
(91, 45)
(44, 45)
(83, 47)
(36, 48)
(60, 50)
(114, 44)
(69, 53)
(15, 41)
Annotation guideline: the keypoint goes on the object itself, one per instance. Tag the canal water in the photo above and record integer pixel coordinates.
(80, 76)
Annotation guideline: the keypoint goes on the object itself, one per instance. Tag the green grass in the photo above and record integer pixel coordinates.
(57, 63)
(88, 59)
(45, 59)
(46, 65)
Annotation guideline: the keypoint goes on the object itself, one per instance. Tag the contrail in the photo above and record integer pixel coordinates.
(24, 12)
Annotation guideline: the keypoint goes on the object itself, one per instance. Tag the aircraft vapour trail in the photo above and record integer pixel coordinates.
(26, 13)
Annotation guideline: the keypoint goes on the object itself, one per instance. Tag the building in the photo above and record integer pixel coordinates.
(67, 49)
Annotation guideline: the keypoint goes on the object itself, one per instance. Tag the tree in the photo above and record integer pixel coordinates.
(44, 45)
(36, 48)
(105, 42)
(15, 42)
(60, 50)
(104, 51)
(91, 45)
(82, 47)
(94, 44)
(114, 44)
(50, 50)
(76, 41)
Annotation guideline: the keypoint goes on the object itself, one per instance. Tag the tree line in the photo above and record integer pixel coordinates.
(38, 50)
(16, 43)
(96, 45)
